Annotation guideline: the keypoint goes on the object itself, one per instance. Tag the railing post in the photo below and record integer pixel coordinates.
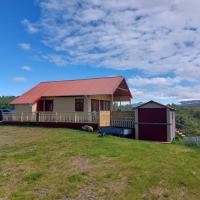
(22, 117)
(56, 117)
(37, 118)
(75, 117)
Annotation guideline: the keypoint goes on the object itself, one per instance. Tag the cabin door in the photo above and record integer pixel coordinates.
(44, 105)
(94, 105)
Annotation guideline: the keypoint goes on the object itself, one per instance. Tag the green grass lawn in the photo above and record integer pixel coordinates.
(44, 163)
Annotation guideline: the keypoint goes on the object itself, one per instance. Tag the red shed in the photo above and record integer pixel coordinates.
(155, 122)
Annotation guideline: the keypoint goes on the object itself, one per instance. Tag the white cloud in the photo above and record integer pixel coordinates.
(26, 68)
(25, 46)
(29, 26)
(176, 93)
(19, 79)
(191, 73)
(156, 81)
(137, 94)
(56, 59)
(155, 36)
(158, 38)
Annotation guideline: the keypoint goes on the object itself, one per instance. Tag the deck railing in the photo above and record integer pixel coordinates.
(103, 118)
(19, 117)
(123, 123)
(71, 117)
(123, 119)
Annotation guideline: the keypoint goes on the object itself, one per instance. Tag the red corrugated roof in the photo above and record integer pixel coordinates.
(94, 86)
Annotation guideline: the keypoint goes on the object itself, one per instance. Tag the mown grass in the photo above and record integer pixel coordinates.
(43, 163)
(34, 176)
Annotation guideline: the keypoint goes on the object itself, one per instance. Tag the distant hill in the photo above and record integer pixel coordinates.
(137, 104)
(190, 103)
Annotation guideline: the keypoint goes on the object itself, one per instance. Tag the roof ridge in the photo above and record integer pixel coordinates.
(152, 101)
(82, 79)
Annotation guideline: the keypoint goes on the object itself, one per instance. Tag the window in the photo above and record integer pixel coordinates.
(48, 105)
(79, 105)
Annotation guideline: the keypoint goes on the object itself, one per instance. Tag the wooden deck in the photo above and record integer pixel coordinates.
(55, 119)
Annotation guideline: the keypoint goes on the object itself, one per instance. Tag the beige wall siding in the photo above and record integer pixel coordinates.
(23, 108)
(87, 104)
(34, 107)
(67, 104)
(123, 114)
(170, 127)
(63, 104)
(151, 105)
(101, 97)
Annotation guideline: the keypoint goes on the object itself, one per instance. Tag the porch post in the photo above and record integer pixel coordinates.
(120, 104)
(43, 106)
(111, 109)
(99, 104)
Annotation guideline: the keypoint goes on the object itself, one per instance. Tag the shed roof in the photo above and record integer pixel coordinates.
(155, 103)
(93, 86)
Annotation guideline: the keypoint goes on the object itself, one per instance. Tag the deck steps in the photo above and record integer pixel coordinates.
(180, 134)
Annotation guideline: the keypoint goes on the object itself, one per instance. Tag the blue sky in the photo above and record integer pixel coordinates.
(153, 44)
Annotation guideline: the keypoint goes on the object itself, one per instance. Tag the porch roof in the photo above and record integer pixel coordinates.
(82, 87)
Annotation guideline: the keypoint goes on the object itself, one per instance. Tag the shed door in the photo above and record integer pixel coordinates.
(152, 124)
(153, 132)
(152, 115)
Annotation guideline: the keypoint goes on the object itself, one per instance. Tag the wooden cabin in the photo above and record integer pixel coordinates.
(85, 95)
(76, 101)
